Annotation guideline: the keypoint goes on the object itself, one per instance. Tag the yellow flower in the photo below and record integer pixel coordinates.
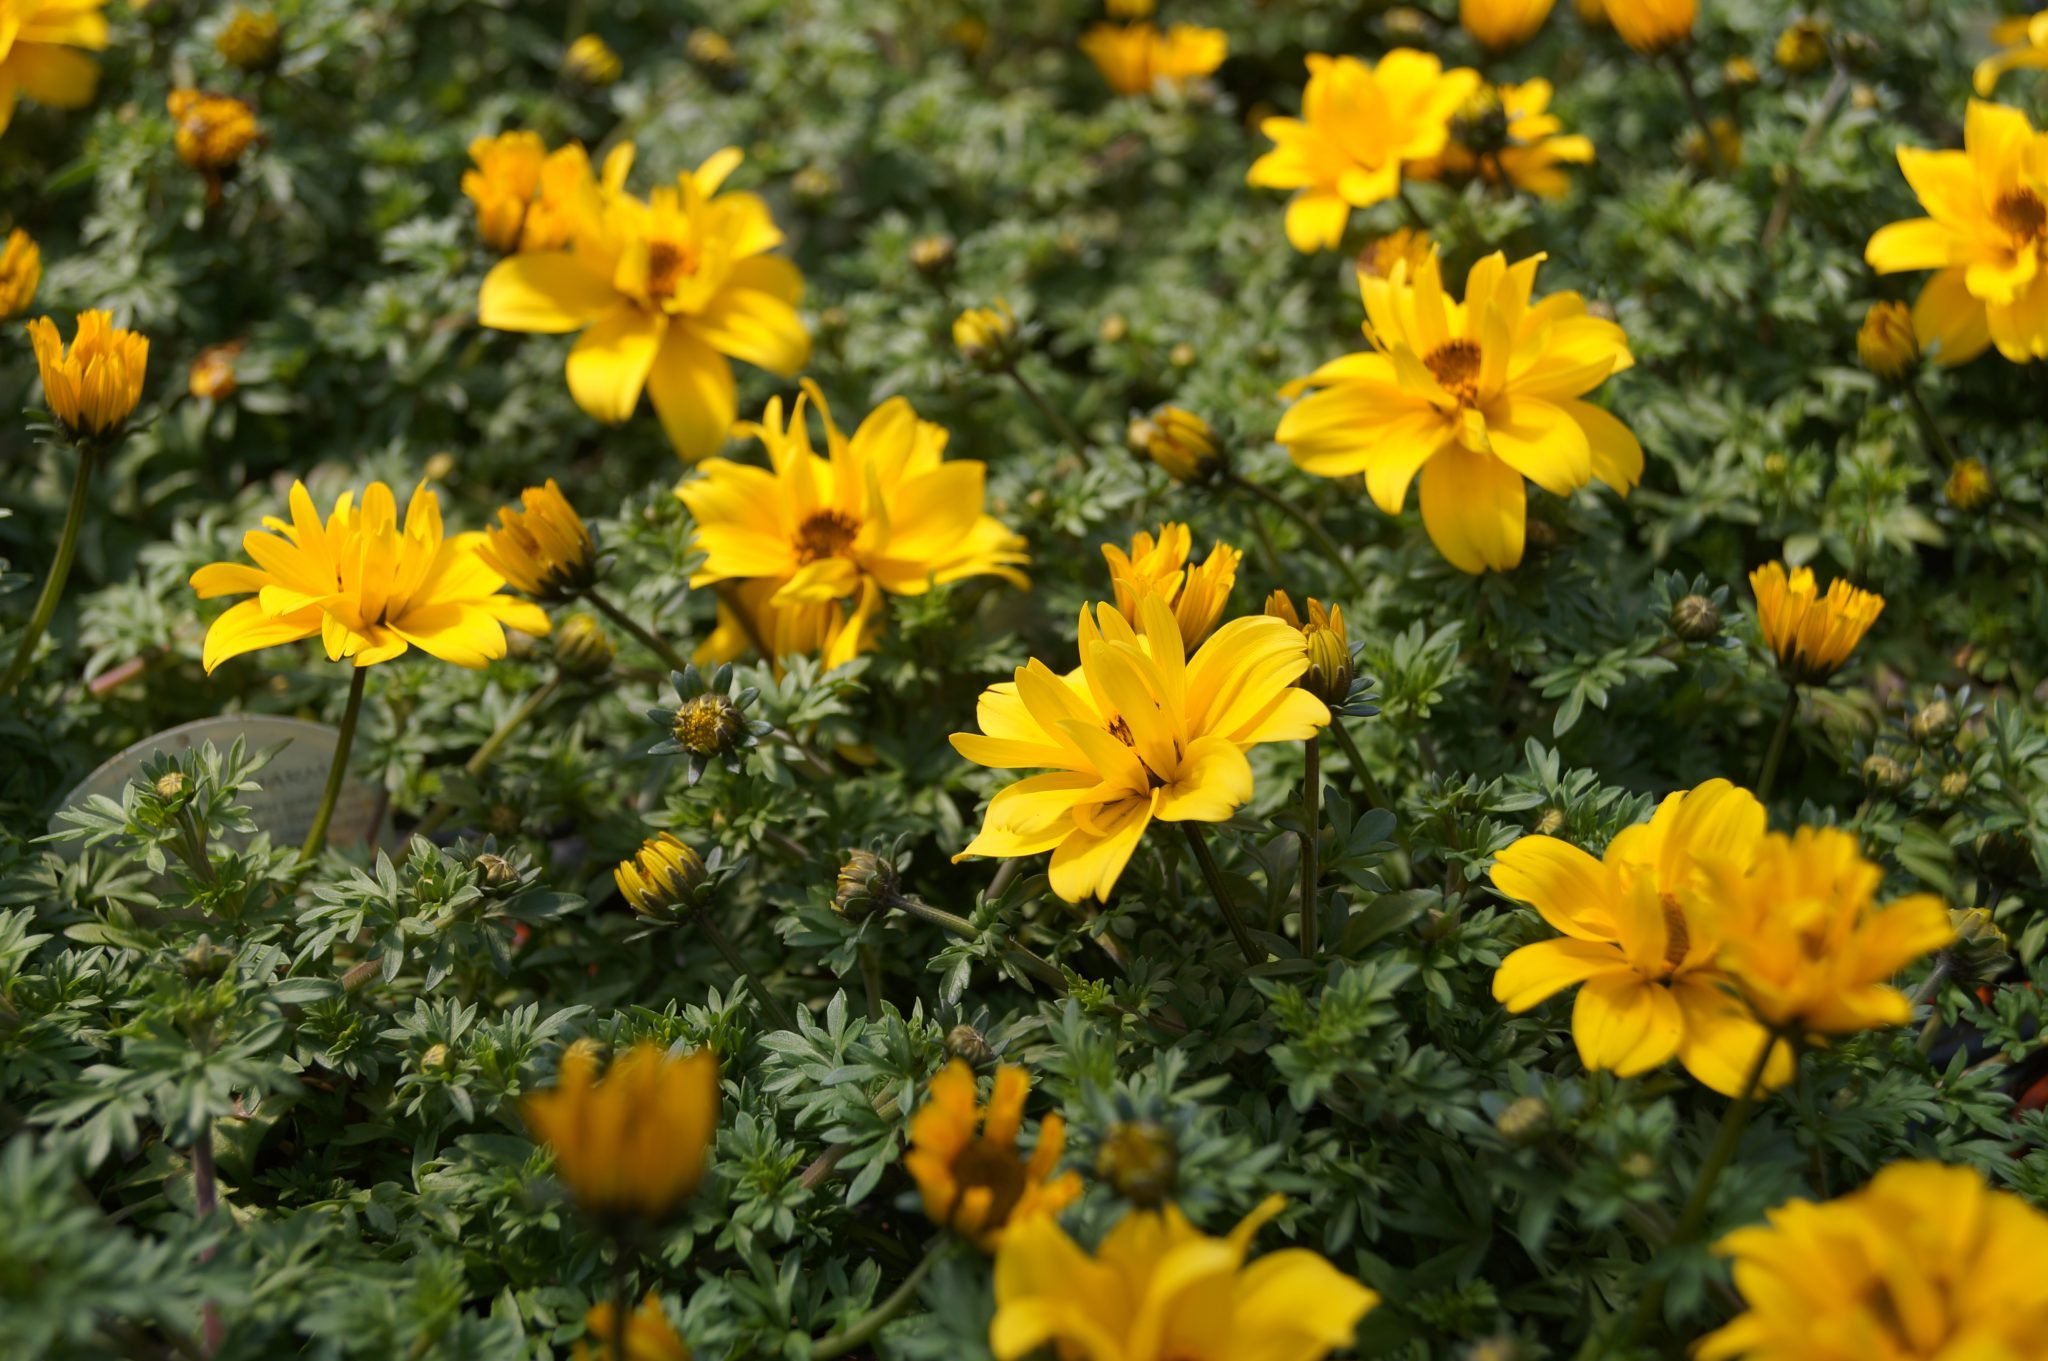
(1641, 939)
(94, 386)
(1650, 26)
(1811, 634)
(1727, 151)
(663, 875)
(1804, 935)
(1380, 255)
(986, 336)
(634, 1144)
(1137, 58)
(1969, 484)
(1987, 234)
(249, 40)
(527, 197)
(212, 377)
(1179, 441)
(1802, 46)
(42, 52)
(212, 130)
(1507, 134)
(21, 271)
(1158, 1289)
(366, 586)
(1129, 9)
(1158, 567)
(1330, 669)
(1476, 396)
(2024, 38)
(1886, 343)
(542, 550)
(592, 61)
(966, 1163)
(1502, 24)
(1359, 124)
(1740, 73)
(1140, 731)
(1926, 1263)
(666, 293)
(881, 512)
(649, 1335)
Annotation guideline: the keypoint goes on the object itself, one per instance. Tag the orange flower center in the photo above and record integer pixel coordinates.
(668, 264)
(1456, 365)
(1677, 935)
(825, 534)
(996, 1168)
(2022, 213)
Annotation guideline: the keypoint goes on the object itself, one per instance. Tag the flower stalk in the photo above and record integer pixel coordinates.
(444, 808)
(1324, 543)
(646, 638)
(1937, 441)
(721, 942)
(1768, 775)
(1060, 424)
(316, 837)
(1709, 147)
(862, 1331)
(1214, 877)
(60, 571)
(1311, 816)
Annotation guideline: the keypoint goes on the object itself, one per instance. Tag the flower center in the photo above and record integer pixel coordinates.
(1456, 365)
(2022, 213)
(996, 1167)
(825, 534)
(668, 264)
(1677, 935)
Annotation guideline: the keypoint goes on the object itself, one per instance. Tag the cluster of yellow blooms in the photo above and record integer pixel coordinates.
(1138, 57)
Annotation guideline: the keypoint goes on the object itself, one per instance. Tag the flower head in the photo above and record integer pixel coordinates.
(634, 1144)
(1506, 134)
(1158, 566)
(649, 1334)
(42, 52)
(591, 60)
(1642, 941)
(1140, 731)
(1179, 441)
(92, 387)
(1158, 1289)
(1330, 668)
(2023, 39)
(965, 1159)
(212, 130)
(667, 291)
(542, 549)
(529, 198)
(1359, 124)
(986, 337)
(1802, 46)
(1969, 484)
(21, 270)
(661, 878)
(1503, 24)
(1986, 234)
(368, 586)
(1650, 26)
(708, 721)
(581, 647)
(1475, 395)
(1886, 343)
(1138, 58)
(212, 377)
(1811, 634)
(248, 41)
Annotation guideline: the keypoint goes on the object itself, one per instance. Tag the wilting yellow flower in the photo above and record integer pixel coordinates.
(1926, 1263)
(649, 1335)
(212, 377)
(1642, 941)
(1179, 441)
(1140, 731)
(986, 336)
(1158, 567)
(92, 387)
(592, 61)
(635, 1143)
(815, 541)
(1811, 634)
(1403, 243)
(1330, 669)
(1508, 134)
(212, 130)
(965, 1160)
(42, 52)
(1886, 343)
(663, 875)
(1358, 124)
(1802, 46)
(1476, 395)
(2023, 37)
(1803, 934)
(1137, 58)
(1969, 484)
(21, 271)
(542, 550)
(666, 293)
(366, 586)
(1650, 26)
(1502, 24)
(1160, 1290)
(1987, 234)
(248, 41)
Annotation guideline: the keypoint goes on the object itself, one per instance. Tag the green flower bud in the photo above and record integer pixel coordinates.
(1695, 619)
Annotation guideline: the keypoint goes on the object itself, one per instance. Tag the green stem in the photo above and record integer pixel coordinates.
(206, 1196)
(859, 1334)
(1323, 541)
(1200, 846)
(1374, 796)
(1415, 217)
(338, 771)
(60, 571)
(647, 639)
(1930, 995)
(714, 933)
(1051, 413)
(1944, 452)
(1030, 961)
(1311, 816)
(484, 754)
(621, 1302)
(1698, 110)
(871, 980)
(1768, 776)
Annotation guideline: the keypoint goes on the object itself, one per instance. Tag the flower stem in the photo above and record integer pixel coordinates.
(1200, 846)
(338, 771)
(1030, 961)
(1711, 148)
(871, 980)
(484, 754)
(1374, 796)
(205, 1197)
(621, 1300)
(1930, 996)
(1311, 816)
(60, 571)
(647, 639)
(1323, 541)
(859, 1333)
(714, 933)
(1944, 452)
(1051, 413)
(1768, 776)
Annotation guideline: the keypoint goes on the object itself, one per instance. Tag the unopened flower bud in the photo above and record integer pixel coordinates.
(435, 1059)
(935, 256)
(1739, 73)
(1639, 1165)
(249, 41)
(439, 466)
(1551, 823)
(1886, 342)
(1695, 619)
(1523, 1120)
(205, 961)
(1802, 46)
(1934, 721)
(1179, 441)
(709, 725)
(814, 186)
(710, 51)
(986, 337)
(1114, 329)
(1969, 485)
(591, 60)
(173, 784)
(867, 882)
(495, 872)
(582, 648)
(1330, 672)
(1407, 23)
(1141, 1160)
(1955, 784)
(1727, 145)
(966, 1043)
(1884, 774)
(1181, 356)
(662, 877)
(1980, 951)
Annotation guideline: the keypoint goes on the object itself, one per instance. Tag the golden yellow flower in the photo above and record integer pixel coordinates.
(1802, 46)
(1141, 731)
(1886, 343)
(92, 387)
(2023, 38)
(1507, 134)
(649, 1334)
(212, 131)
(1502, 24)
(1358, 125)
(366, 586)
(1969, 484)
(814, 542)
(212, 377)
(21, 271)
(1986, 234)
(1650, 26)
(1160, 1290)
(591, 60)
(1138, 58)
(660, 877)
(1811, 634)
(1474, 395)
(1807, 941)
(1129, 9)
(634, 1144)
(42, 52)
(1179, 441)
(986, 336)
(542, 550)
(1380, 255)
(1330, 668)
(966, 1163)
(1641, 939)
(527, 197)
(248, 41)
(1158, 567)
(666, 292)
(1926, 1263)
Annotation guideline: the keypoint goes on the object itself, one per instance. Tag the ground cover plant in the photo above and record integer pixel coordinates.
(948, 680)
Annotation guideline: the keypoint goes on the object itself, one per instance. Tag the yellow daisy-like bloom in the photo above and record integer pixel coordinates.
(965, 1160)
(21, 272)
(660, 877)
(1158, 1289)
(368, 587)
(1509, 135)
(1811, 634)
(1804, 935)
(1502, 24)
(92, 387)
(1986, 232)
(814, 542)
(1140, 731)
(1359, 124)
(1651, 26)
(1475, 395)
(2024, 40)
(636, 1143)
(212, 130)
(542, 549)
(1158, 566)
(1926, 1263)
(1641, 940)
(1138, 58)
(591, 60)
(42, 52)
(649, 1334)
(666, 292)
